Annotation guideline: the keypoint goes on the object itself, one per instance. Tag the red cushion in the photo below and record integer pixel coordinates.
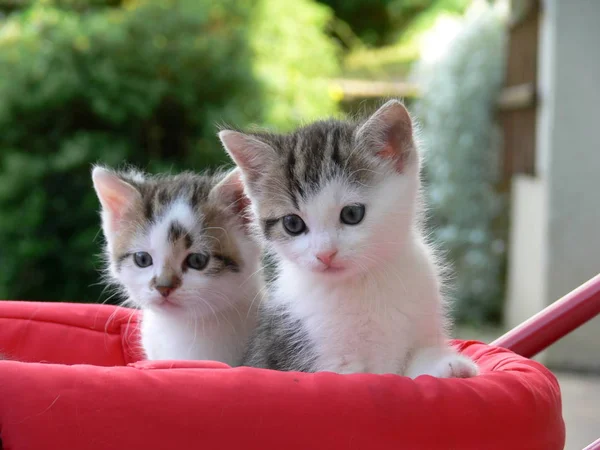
(514, 404)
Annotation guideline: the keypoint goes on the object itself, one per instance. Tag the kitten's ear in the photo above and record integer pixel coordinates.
(389, 133)
(115, 196)
(229, 192)
(249, 153)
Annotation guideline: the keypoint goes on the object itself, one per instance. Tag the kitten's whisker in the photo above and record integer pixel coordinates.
(259, 294)
(194, 335)
(235, 202)
(259, 270)
(382, 264)
(226, 300)
(221, 229)
(109, 320)
(133, 313)
(116, 291)
(203, 325)
(365, 170)
(214, 313)
(216, 239)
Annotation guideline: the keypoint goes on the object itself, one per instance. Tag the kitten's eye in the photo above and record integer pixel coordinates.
(293, 224)
(352, 214)
(142, 259)
(197, 261)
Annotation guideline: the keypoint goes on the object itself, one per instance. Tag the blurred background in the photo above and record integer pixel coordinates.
(505, 93)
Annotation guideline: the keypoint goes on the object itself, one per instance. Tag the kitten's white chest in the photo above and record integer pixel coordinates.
(360, 341)
(185, 338)
(353, 332)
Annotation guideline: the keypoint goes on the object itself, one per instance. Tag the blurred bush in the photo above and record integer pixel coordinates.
(457, 115)
(294, 61)
(384, 38)
(142, 82)
(383, 22)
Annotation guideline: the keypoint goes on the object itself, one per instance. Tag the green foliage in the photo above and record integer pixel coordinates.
(382, 22)
(294, 61)
(456, 111)
(430, 11)
(369, 19)
(410, 20)
(137, 81)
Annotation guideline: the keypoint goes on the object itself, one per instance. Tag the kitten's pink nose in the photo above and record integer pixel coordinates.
(165, 290)
(327, 257)
(166, 283)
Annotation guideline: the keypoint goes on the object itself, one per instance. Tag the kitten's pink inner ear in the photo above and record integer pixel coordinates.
(248, 152)
(231, 192)
(389, 153)
(389, 132)
(395, 148)
(115, 195)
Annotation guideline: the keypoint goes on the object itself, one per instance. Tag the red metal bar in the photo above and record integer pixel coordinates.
(555, 321)
(594, 445)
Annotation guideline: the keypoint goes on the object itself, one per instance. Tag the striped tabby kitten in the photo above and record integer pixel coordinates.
(357, 287)
(178, 247)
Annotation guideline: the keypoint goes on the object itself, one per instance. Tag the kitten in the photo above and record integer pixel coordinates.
(178, 247)
(358, 289)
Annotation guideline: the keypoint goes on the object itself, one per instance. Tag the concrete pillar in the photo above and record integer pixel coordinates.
(555, 236)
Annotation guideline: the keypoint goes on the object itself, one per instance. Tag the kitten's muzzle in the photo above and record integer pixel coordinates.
(164, 290)
(166, 285)
(326, 257)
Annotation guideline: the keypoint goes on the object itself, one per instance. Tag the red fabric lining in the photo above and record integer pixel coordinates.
(514, 404)
(78, 315)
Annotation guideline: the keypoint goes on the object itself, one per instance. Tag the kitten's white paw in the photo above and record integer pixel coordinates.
(441, 363)
(455, 366)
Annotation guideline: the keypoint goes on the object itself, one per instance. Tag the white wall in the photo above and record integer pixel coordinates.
(574, 166)
(568, 182)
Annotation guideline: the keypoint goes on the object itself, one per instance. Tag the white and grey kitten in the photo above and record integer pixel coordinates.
(358, 288)
(179, 248)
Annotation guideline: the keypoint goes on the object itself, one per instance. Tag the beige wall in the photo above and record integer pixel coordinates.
(526, 270)
(555, 233)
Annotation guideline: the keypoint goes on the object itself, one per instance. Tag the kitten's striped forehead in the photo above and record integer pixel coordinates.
(178, 224)
(313, 155)
(178, 212)
(159, 193)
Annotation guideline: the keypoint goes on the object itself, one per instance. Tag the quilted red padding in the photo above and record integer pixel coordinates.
(99, 403)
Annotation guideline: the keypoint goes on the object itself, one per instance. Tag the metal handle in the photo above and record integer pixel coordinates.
(555, 321)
